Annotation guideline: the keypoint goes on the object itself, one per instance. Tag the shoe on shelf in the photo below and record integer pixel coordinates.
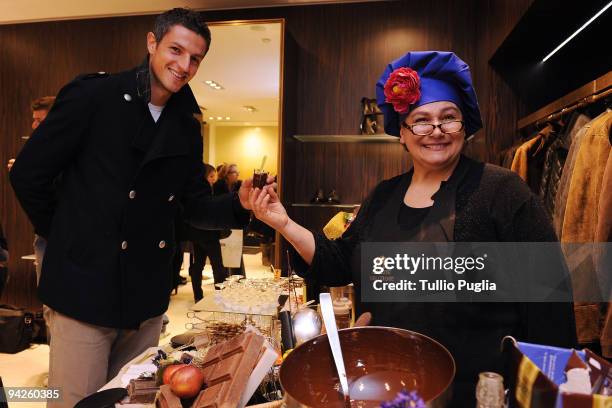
(319, 197)
(333, 197)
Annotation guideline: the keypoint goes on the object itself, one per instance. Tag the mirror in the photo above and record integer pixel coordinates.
(238, 88)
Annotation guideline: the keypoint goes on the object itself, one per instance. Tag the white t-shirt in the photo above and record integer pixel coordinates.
(155, 111)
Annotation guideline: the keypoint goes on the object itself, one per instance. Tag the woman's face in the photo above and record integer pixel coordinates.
(232, 174)
(212, 177)
(438, 149)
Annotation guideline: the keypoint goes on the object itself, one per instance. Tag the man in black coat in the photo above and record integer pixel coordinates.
(130, 152)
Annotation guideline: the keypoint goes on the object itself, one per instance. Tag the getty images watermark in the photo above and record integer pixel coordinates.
(413, 264)
(486, 272)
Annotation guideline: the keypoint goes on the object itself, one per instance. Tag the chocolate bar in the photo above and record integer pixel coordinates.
(167, 399)
(227, 368)
(201, 341)
(142, 390)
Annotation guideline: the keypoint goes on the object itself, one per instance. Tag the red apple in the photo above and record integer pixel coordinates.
(187, 382)
(170, 370)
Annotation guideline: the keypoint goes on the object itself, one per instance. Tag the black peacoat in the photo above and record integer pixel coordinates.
(111, 225)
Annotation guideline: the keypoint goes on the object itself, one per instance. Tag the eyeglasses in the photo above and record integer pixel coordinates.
(424, 129)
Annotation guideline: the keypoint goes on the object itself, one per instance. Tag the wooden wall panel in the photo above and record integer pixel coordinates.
(335, 55)
(501, 108)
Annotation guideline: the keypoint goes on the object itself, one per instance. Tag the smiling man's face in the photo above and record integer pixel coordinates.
(174, 60)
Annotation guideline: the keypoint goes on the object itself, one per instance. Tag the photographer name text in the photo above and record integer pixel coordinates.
(438, 285)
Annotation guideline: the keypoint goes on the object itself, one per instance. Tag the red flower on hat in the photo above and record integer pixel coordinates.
(402, 89)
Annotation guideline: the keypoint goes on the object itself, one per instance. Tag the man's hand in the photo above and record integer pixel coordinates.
(10, 164)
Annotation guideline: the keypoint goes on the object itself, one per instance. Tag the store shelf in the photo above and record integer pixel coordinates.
(325, 205)
(383, 138)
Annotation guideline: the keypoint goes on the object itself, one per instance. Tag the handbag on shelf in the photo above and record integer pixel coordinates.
(16, 329)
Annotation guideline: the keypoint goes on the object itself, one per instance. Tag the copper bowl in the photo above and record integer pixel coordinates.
(380, 362)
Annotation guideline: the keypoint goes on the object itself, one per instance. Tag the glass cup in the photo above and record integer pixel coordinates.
(490, 390)
(260, 178)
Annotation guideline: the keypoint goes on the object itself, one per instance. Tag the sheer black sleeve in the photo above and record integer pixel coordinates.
(331, 264)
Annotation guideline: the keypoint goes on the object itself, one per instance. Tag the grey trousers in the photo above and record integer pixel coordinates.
(83, 357)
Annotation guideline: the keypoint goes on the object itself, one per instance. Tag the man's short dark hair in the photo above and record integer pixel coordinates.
(43, 103)
(187, 18)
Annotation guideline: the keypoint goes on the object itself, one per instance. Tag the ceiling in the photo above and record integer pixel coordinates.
(245, 60)
(27, 11)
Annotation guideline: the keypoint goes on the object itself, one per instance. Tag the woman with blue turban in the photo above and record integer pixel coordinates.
(429, 102)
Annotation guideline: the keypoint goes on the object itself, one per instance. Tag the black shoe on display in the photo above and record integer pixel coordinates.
(319, 197)
(333, 197)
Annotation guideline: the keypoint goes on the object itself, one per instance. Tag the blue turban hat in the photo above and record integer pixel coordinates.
(443, 77)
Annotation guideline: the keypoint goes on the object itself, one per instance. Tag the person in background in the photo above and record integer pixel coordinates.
(227, 179)
(40, 108)
(429, 102)
(129, 149)
(205, 245)
(226, 183)
(4, 257)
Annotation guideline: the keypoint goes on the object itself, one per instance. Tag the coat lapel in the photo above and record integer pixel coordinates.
(170, 135)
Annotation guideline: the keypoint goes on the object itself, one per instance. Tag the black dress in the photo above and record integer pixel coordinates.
(479, 203)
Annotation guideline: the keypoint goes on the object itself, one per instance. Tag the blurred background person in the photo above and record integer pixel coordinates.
(227, 181)
(4, 256)
(40, 108)
(205, 245)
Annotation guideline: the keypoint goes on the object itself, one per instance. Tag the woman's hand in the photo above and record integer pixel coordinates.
(267, 207)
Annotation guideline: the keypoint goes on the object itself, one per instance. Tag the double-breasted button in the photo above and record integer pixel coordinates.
(171, 198)
(124, 245)
(127, 97)
(132, 194)
(162, 244)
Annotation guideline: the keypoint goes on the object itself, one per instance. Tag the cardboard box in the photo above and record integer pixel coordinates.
(534, 373)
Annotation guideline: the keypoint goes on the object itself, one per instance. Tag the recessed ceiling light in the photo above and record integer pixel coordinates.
(250, 108)
(213, 84)
(219, 118)
(210, 118)
(227, 118)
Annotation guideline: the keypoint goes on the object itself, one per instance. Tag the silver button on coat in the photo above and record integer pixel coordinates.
(162, 244)
(124, 245)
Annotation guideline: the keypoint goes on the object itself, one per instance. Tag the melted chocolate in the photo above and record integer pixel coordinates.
(380, 362)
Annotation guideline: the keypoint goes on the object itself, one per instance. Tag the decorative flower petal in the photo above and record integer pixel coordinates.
(402, 89)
